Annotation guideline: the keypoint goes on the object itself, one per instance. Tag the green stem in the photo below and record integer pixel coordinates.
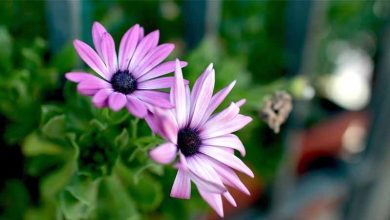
(134, 128)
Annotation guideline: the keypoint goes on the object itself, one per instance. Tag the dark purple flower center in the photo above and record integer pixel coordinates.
(123, 82)
(188, 141)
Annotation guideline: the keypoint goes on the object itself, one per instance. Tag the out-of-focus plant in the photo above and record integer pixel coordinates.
(24, 81)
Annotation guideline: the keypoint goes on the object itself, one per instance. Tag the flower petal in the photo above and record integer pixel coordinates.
(188, 103)
(179, 96)
(219, 129)
(230, 198)
(159, 83)
(214, 200)
(116, 101)
(155, 98)
(90, 57)
(227, 175)
(219, 120)
(150, 120)
(128, 45)
(229, 140)
(226, 158)
(97, 33)
(109, 54)
(241, 102)
(182, 186)
(162, 69)
(78, 76)
(203, 175)
(166, 124)
(153, 58)
(149, 42)
(136, 106)
(164, 153)
(201, 97)
(92, 85)
(141, 34)
(200, 81)
(100, 98)
(216, 100)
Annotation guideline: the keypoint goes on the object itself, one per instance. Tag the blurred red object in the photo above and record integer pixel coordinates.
(326, 138)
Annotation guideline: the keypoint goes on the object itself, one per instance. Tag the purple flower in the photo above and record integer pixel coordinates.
(202, 140)
(130, 79)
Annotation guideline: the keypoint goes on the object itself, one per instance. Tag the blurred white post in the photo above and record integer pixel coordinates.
(370, 196)
(64, 21)
(285, 182)
(213, 16)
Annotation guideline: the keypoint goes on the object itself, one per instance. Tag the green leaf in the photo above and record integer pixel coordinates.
(48, 112)
(114, 117)
(143, 188)
(44, 212)
(6, 49)
(14, 200)
(56, 181)
(33, 145)
(84, 189)
(114, 202)
(75, 147)
(72, 208)
(147, 192)
(78, 200)
(122, 139)
(100, 126)
(55, 127)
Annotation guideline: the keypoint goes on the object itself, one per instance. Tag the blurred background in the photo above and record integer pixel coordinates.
(60, 158)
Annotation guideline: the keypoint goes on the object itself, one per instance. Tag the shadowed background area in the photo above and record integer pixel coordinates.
(328, 159)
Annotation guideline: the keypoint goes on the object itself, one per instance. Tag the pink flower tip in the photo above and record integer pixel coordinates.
(241, 102)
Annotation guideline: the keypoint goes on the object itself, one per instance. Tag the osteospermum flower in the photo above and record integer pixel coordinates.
(129, 79)
(202, 140)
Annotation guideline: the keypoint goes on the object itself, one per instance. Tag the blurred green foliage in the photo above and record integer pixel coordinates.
(88, 163)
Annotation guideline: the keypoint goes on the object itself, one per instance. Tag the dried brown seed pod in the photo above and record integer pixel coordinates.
(276, 110)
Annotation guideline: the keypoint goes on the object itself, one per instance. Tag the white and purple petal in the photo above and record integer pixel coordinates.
(235, 124)
(166, 124)
(155, 98)
(214, 200)
(227, 175)
(228, 140)
(117, 101)
(152, 59)
(97, 32)
(109, 54)
(216, 100)
(127, 46)
(159, 83)
(164, 153)
(179, 96)
(149, 42)
(160, 70)
(90, 57)
(101, 97)
(204, 175)
(201, 98)
(226, 158)
(136, 106)
(92, 85)
(182, 186)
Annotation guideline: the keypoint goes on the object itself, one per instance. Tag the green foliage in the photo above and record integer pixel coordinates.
(14, 196)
